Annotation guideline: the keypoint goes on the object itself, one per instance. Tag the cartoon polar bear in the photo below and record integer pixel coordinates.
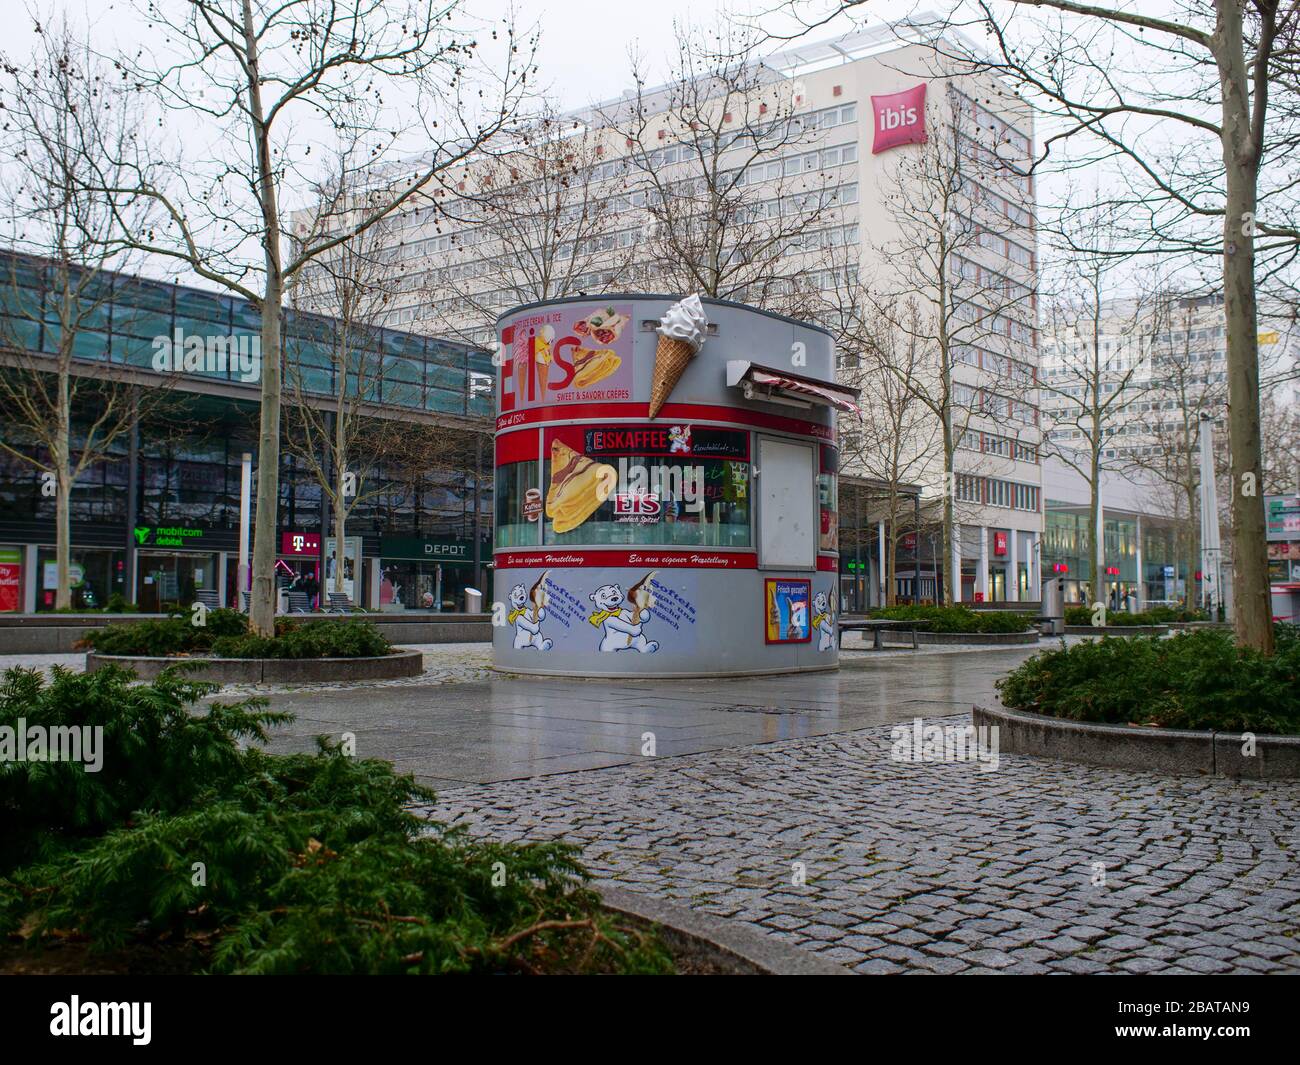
(528, 632)
(620, 634)
(822, 622)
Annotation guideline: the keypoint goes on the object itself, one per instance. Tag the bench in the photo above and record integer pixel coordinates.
(877, 626)
(299, 603)
(339, 603)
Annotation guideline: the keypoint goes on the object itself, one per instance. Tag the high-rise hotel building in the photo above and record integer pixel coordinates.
(861, 104)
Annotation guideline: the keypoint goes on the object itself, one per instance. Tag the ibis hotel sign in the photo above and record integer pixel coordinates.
(899, 119)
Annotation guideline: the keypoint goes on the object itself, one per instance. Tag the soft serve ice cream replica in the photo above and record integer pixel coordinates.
(655, 507)
(681, 335)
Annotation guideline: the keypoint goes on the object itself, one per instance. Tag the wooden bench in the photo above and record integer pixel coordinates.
(877, 626)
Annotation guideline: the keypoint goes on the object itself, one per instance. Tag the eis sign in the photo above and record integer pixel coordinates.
(571, 354)
(899, 119)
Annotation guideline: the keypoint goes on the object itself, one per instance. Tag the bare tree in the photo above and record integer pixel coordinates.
(950, 310)
(1101, 346)
(543, 219)
(716, 167)
(1178, 390)
(336, 379)
(1280, 422)
(250, 77)
(66, 402)
(1200, 106)
(894, 443)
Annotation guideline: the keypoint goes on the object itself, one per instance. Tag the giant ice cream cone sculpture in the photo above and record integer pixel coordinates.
(681, 335)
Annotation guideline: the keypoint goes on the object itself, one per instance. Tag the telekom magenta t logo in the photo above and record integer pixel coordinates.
(900, 119)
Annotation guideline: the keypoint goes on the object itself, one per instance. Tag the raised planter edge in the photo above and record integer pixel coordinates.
(721, 940)
(992, 639)
(1184, 751)
(405, 662)
(1117, 630)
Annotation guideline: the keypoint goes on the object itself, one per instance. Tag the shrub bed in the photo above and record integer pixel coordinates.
(1160, 615)
(956, 618)
(1192, 680)
(226, 635)
(310, 863)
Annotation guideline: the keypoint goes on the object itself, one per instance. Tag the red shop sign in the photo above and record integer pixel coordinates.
(999, 543)
(297, 543)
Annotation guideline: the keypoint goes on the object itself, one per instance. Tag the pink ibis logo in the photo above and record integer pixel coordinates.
(900, 119)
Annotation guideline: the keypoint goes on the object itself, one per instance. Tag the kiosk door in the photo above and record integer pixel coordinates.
(787, 510)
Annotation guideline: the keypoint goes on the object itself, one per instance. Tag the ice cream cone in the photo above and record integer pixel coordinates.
(681, 335)
(671, 358)
(538, 594)
(639, 596)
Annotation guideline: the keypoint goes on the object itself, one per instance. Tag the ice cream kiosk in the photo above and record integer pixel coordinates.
(665, 489)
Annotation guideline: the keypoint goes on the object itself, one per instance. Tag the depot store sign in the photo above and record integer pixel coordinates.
(412, 547)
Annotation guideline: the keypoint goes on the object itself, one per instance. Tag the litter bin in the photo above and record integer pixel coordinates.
(473, 601)
(1054, 607)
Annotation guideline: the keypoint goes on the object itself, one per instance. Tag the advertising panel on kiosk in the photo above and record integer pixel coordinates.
(665, 489)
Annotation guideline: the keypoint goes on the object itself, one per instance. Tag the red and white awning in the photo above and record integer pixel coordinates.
(782, 386)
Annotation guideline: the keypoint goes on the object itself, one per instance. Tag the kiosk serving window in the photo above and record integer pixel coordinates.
(518, 504)
(657, 484)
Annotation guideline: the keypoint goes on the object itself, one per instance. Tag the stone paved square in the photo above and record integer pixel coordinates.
(937, 867)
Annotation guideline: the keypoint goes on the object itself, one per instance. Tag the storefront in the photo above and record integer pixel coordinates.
(298, 565)
(11, 579)
(94, 575)
(174, 563)
(427, 574)
(700, 541)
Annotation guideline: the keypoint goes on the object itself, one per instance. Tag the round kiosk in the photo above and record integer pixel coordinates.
(665, 490)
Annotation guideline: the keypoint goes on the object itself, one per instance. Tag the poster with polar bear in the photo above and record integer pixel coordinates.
(608, 611)
(540, 610)
(655, 611)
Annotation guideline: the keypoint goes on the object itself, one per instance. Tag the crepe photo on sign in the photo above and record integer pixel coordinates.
(593, 364)
(578, 486)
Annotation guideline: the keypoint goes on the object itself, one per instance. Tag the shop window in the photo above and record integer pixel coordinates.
(828, 499)
(95, 576)
(517, 512)
(661, 485)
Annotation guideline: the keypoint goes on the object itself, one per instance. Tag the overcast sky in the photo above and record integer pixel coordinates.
(584, 47)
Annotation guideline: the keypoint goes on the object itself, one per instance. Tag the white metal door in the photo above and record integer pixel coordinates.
(787, 509)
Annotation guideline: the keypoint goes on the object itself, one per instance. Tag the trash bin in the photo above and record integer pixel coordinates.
(1053, 607)
(473, 601)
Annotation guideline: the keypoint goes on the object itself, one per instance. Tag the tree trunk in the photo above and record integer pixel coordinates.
(62, 505)
(262, 607)
(1097, 536)
(1252, 615)
(949, 498)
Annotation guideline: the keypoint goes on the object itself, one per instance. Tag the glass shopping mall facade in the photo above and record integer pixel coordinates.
(1141, 556)
(157, 520)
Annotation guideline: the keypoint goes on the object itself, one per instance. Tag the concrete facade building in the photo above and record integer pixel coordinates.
(860, 108)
